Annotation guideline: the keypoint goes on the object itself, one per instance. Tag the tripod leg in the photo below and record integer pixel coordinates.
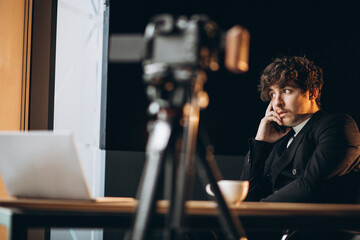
(158, 140)
(176, 211)
(171, 164)
(184, 176)
(208, 170)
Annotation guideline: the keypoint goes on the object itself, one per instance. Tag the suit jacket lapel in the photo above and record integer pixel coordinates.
(280, 162)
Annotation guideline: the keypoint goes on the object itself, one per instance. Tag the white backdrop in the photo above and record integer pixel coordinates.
(78, 70)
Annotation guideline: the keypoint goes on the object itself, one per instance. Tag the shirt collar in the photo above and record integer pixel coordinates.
(298, 127)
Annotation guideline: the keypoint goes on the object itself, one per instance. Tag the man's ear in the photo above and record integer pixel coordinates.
(313, 93)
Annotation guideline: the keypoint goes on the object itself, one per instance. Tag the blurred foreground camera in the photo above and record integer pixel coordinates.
(195, 42)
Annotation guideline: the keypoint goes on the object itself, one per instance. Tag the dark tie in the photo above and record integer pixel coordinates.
(285, 141)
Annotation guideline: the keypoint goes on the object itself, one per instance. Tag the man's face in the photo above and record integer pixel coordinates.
(291, 103)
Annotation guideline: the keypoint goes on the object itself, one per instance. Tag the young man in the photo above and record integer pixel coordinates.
(317, 157)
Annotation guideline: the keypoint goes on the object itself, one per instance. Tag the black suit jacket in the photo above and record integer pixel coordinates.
(322, 164)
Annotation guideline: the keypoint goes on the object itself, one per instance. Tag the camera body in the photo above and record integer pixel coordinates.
(191, 42)
(182, 42)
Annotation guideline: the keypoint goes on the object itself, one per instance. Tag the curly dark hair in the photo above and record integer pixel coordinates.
(302, 71)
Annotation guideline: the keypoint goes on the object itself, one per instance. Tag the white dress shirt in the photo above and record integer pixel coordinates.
(297, 129)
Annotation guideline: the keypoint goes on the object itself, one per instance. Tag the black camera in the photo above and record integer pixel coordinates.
(183, 42)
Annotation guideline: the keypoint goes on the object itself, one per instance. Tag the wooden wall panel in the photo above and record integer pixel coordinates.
(15, 40)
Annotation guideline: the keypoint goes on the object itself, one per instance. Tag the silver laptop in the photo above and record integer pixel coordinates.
(42, 164)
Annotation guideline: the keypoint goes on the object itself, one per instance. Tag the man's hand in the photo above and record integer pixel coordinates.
(266, 131)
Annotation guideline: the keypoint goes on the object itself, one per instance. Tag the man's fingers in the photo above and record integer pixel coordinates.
(268, 109)
(273, 114)
(274, 119)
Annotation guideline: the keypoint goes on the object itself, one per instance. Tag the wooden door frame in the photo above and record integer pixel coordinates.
(25, 91)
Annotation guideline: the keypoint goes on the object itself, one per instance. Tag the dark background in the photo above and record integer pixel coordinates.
(325, 31)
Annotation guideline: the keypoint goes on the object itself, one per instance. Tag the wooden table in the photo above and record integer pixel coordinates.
(18, 215)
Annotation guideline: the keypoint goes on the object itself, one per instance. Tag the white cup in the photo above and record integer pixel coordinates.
(233, 191)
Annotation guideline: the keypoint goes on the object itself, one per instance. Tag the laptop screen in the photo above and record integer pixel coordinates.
(42, 164)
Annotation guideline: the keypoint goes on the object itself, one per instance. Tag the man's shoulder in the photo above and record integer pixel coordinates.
(341, 121)
(322, 117)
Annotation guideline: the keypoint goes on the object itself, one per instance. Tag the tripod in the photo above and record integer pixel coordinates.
(173, 141)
